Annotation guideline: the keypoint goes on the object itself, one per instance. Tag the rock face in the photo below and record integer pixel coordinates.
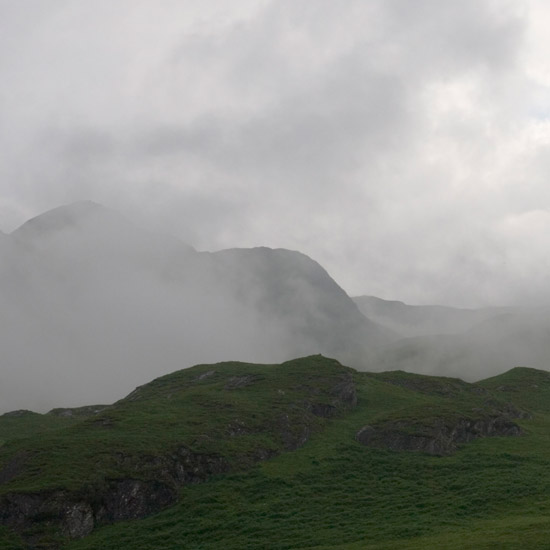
(344, 396)
(76, 513)
(440, 437)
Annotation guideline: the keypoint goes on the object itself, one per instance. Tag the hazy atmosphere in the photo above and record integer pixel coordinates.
(187, 182)
(402, 145)
(274, 274)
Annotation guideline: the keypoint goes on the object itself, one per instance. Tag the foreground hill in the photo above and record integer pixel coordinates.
(108, 305)
(304, 454)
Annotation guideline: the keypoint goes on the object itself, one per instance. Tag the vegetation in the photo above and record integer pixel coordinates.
(331, 492)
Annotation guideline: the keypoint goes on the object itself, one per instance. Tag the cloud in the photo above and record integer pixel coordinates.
(389, 140)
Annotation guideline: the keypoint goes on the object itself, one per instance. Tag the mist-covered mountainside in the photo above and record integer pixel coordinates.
(466, 343)
(304, 454)
(92, 303)
(409, 320)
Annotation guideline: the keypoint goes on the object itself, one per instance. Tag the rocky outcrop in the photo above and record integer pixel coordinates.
(344, 392)
(80, 412)
(76, 513)
(438, 437)
(236, 382)
(342, 395)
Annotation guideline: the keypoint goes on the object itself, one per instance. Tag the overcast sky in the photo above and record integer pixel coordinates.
(403, 145)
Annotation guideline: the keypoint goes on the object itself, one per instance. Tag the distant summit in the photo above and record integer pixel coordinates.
(61, 218)
(409, 320)
(467, 343)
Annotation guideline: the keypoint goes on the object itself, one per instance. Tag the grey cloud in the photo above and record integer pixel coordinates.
(93, 305)
(374, 136)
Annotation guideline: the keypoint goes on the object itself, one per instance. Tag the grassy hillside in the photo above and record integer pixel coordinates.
(285, 468)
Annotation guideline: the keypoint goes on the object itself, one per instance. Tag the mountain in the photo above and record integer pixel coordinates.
(409, 320)
(299, 292)
(520, 337)
(467, 343)
(304, 454)
(93, 303)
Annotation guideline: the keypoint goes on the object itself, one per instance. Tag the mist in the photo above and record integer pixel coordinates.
(471, 344)
(94, 305)
(404, 148)
(274, 158)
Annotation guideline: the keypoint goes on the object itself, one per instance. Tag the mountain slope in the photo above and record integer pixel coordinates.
(411, 321)
(287, 465)
(296, 290)
(521, 337)
(107, 304)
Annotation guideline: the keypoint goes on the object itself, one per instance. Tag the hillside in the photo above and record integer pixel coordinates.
(304, 454)
(467, 343)
(519, 337)
(129, 305)
(409, 321)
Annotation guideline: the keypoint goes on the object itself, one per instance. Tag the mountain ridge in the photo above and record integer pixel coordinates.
(124, 301)
(420, 320)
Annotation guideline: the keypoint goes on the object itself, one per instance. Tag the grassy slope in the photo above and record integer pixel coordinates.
(25, 424)
(181, 408)
(334, 493)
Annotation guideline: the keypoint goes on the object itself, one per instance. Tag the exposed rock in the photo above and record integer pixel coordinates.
(178, 468)
(236, 382)
(343, 395)
(205, 375)
(441, 437)
(196, 467)
(75, 514)
(237, 427)
(323, 410)
(104, 421)
(135, 395)
(345, 391)
(88, 410)
(17, 509)
(78, 521)
(131, 499)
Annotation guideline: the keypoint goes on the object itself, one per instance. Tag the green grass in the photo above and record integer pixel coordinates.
(332, 493)
(25, 424)
(175, 410)
(10, 541)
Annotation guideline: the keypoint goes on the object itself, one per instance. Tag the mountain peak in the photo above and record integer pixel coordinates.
(100, 231)
(61, 217)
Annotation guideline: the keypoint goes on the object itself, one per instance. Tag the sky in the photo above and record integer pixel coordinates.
(403, 145)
